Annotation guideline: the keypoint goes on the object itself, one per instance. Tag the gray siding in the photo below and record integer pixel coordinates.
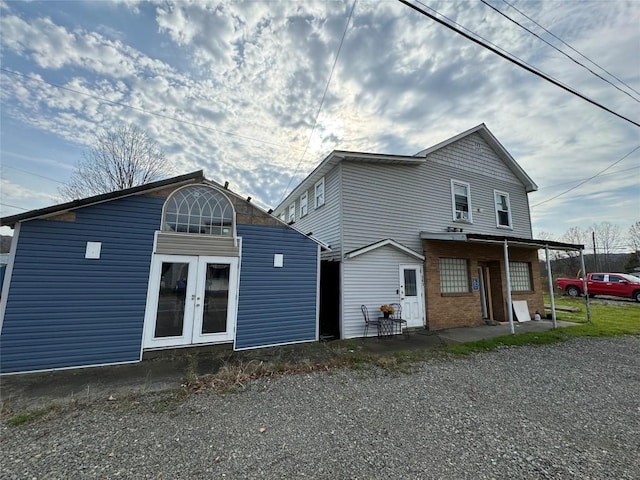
(325, 221)
(64, 310)
(371, 279)
(276, 305)
(398, 201)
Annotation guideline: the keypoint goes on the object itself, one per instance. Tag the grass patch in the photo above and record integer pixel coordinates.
(607, 320)
(32, 416)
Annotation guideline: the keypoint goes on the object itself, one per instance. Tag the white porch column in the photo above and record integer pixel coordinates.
(508, 279)
(551, 295)
(584, 286)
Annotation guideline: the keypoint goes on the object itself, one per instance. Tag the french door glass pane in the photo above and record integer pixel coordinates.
(171, 299)
(410, 284)
(216, 298)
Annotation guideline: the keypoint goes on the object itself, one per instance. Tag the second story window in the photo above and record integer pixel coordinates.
(292, 212)
(320, 193)
(304, 200)
(461, 201)
(503, 209)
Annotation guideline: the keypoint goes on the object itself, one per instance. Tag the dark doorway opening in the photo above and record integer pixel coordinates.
(329, 300)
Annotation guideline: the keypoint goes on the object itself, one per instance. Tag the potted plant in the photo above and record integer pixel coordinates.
(387, 310)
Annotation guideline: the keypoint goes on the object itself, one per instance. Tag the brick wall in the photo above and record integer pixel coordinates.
(464, 309)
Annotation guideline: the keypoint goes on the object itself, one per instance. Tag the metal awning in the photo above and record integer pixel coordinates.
(500, 239)
(506, 241)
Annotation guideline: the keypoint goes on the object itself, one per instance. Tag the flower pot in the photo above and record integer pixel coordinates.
(386, 314)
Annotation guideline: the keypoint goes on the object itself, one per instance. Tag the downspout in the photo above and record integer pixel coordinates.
(553, 300)
(584, 286)
(508, 279)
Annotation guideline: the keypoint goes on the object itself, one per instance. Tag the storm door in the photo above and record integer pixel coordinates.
(411, 295)
(191, 300)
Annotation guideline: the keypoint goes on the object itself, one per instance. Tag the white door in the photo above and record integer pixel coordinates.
(191, 300)
(412, 295)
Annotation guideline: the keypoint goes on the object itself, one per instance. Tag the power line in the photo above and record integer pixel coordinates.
(324, 94)
(586, 180)
(576, 51)
(34, 174)
(557, 49)
(12, 206)
(515, 61)
(148, 112)
(581, 179)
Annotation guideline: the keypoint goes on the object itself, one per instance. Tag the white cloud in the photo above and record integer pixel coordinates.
(258, 70)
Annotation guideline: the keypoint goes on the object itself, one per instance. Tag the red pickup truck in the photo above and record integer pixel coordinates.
(615, 284)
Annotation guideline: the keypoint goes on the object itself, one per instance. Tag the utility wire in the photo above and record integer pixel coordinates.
(324, 94)
(34, 174)
(586, 180)
(515, 61)
(12, 206)
(148, 112)
(576, 51)
(557, 49)
(579, 180)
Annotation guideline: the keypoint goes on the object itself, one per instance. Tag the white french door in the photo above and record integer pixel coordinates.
(191, 300)
(412, 295)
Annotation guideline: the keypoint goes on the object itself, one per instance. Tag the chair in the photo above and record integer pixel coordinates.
(397, 319)
(368, 321)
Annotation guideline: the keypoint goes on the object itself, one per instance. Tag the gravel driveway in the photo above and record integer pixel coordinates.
(562, 411)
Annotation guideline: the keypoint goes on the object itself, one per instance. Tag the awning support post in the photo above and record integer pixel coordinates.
(551, 295)
(584, 287)
(508, 280)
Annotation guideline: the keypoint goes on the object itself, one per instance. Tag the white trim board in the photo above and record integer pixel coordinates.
(384, 243)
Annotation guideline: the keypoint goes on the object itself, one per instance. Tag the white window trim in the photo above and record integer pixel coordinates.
(292, 213)
(315, 193)
(453, 201)
(495, 204)
(304, 200)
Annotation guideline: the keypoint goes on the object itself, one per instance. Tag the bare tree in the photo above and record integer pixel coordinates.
(634, 236)
(120, 158)
(633, 260)
(607, 240)
(570, 260)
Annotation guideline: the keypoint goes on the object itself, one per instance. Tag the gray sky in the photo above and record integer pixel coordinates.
(244, 81)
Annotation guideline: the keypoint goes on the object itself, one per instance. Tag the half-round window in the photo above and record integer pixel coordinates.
(198, 209)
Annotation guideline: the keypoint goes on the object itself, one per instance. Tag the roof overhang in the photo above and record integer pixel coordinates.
(499, 239)
(384, 243)
(337, 156)
(104, 197)
(493, 142)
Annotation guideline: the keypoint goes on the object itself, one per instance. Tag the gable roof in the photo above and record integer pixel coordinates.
(493, 142)
(384, 243)
(337, 156)
(101, 198)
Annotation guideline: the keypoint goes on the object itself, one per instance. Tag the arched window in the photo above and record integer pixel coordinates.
(198, 209)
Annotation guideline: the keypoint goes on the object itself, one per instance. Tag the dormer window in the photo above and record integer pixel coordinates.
(198, 209)
(461, 201)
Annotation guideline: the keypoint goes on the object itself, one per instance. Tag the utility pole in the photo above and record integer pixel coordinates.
(595, 255)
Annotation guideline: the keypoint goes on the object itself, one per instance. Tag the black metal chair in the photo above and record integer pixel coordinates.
(368, 321)
(397, 319)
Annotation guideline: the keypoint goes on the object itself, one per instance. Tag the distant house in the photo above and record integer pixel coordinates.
(429, 231)
(173, 263)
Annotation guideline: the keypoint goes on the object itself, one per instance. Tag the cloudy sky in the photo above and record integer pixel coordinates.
(234, 88)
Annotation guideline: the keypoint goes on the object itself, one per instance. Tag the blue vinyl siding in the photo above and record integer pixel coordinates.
(64, 310)
(276, 305)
